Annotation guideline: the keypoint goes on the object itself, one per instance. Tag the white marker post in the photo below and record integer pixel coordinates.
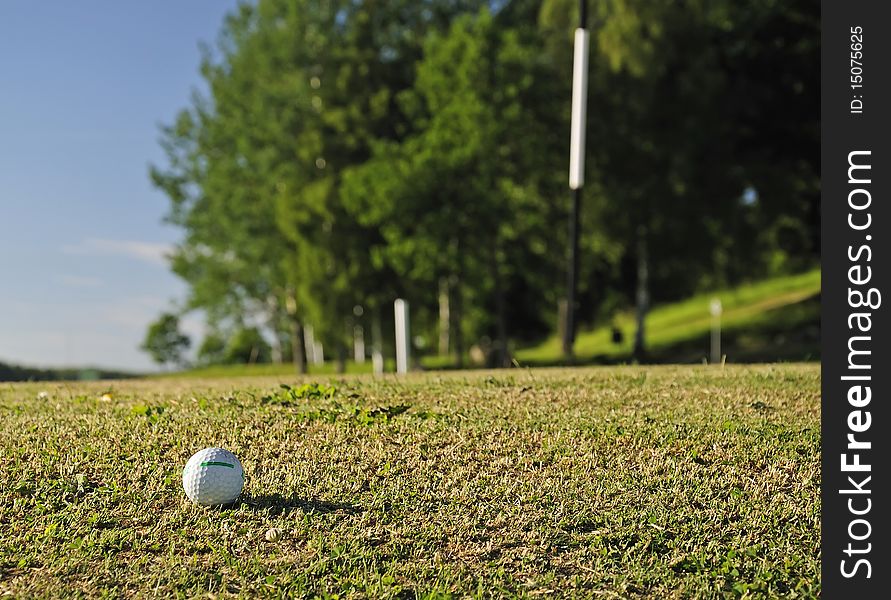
(358, 344)
(716, 311)
(579, 109)
(358, 335)
(377, 362)
(309, 344)
(403, 339)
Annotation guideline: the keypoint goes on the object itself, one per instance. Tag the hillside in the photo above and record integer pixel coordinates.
(775, 319)
(10, 372)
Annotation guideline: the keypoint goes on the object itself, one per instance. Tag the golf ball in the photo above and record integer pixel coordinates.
(213, 477)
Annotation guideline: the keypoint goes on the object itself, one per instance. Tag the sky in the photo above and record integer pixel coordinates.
(84, 87)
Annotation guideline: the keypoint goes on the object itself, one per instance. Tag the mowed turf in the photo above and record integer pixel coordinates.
(663, 482)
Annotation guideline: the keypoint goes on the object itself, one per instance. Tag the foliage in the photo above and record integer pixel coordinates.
(349, 153)
(212, 350)
(247, 345)
(307, 391)
(462, 199)
(165, 343)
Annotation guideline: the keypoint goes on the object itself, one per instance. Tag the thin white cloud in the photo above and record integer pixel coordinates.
(148, 252)
(78, 281)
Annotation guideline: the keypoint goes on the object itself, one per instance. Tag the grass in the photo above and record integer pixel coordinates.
(269, 370)
(680, 331)
(658, 482)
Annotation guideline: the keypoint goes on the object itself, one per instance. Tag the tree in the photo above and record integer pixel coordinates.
(350, 152)
(212, 349)
(164, 342)
(463, 199)
(683, 117)
(247, 346)
(299, 91)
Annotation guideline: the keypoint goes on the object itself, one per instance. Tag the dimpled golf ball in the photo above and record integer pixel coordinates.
(213, 477)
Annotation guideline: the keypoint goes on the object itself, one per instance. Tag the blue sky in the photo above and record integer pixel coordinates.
(83, 88)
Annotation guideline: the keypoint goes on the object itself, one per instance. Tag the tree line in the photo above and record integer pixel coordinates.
(347, 153)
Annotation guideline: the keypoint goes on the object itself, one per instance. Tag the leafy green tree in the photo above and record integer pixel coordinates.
(223, 154)
(212, 349)
(299, 91)
(165, 343)
(461, 199)
(247, 346)
(350, 152)
(357, 73)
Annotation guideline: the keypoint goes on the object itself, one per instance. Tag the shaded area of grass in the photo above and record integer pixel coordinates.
(663, 482)
(776, 319)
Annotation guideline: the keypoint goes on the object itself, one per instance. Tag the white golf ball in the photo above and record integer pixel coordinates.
(213, 477)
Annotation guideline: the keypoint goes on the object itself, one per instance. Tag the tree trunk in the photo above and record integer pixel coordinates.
(456, 315)
(298, 356)
(501, 355)
(643, 293)
(344, 345)
(561, 318)
(298, 352)
(377, 351)
(444, 321)
(341, 358)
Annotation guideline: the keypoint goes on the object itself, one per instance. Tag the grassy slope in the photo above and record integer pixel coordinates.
(681, 330)
(611, 482)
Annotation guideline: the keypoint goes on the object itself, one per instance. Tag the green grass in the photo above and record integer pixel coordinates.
(267, 370)
(681, 330)
(652, 482)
